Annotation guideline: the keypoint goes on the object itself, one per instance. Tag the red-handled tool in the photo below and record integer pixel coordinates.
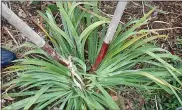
(110, 33)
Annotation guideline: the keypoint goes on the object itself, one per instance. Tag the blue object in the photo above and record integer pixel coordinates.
(6, 57)
(179, 108)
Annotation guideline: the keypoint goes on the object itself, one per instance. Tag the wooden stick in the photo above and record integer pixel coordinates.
(110, 33)
(14, 20)
(9, 33)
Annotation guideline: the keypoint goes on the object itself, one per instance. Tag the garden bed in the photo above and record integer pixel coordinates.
(168, 16)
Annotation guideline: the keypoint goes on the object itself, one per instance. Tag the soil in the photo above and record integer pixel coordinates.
(168, 14)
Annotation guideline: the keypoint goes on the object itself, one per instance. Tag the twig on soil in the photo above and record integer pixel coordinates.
(156, 103)
(57, 14)
(160, 22)
(10, 87)
(84, 9)
(41, 19)
(5, 92)
(109, 15)
(128, 104)
(143, 8)
(9, 33)
(165, 29)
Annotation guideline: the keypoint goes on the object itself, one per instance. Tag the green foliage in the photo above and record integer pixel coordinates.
(45, 82)
(179, 42)
(162, 101)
